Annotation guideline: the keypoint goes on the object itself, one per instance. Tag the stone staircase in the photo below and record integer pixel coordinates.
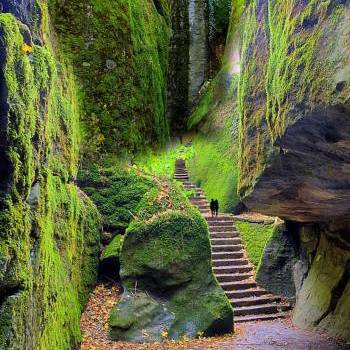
(230, 264)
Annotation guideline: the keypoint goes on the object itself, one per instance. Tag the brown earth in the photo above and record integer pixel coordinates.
(272, 335)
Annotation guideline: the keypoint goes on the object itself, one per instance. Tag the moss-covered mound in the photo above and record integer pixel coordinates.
(116, 193)
(166, 271)
(120, 53)
(49, 228)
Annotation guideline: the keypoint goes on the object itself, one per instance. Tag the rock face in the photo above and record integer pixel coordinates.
(167, 275)
(323, 298)
(199, 47)
(123, 47)
(49, 228)
(294, 101)
(276, 270)
(177, 90)
(310, 264)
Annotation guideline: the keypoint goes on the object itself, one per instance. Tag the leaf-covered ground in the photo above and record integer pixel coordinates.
(274, 335)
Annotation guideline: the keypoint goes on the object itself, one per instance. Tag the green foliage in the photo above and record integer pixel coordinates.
(120, 52)
(116, 193)
(113, 249)
(255, 236)
(214, 163)
(162, 163)
(214, 168)
(49, 229)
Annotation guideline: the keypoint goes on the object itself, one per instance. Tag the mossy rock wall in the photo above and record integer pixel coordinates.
(294, 108)
(119, 49)
(49, 228)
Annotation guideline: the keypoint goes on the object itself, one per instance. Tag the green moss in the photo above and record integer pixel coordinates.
(49, 229)
(113, 249)
(162, 162)
(214, 165)
(288, 64)
(116, 193)
(124, 109)
(255, 236)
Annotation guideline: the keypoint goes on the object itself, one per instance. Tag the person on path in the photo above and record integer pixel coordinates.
(216, 210)
(212, 207)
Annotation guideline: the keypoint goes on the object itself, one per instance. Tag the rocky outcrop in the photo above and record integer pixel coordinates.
(169, 287)
(276, 269)
(323, 298)
(49, 228)
(294, 101)
(310, 264)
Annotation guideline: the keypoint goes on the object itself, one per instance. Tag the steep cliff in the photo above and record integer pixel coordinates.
(49, 228)
(120, 54)
(294, 102)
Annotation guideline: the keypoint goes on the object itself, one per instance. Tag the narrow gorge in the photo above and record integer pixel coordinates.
(121, 121)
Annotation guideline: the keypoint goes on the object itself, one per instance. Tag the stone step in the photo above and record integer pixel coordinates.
(229, 263)
(228, 234)
(232, 269)
(181, 177)
(254, 318)
(227, 248)
(256, 300)
(233, 277)
(203, 206)
(260, 309)
(221, 218)
(228, 255)
(225, 231)
(204, 211)
(226, 224)
(239, 285)
(226, 241)
(187, 183)
(190, 186)
(246, 293)
(199, 200)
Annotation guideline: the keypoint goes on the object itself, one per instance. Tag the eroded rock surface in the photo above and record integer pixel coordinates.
(295, 109)
(276, 269)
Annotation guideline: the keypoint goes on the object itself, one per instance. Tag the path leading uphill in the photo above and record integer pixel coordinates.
(230, 263)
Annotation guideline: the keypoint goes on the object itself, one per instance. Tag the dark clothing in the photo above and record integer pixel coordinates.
(216, 207)
(212, 207)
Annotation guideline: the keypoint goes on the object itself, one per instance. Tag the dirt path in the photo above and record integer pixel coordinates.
(273, 335)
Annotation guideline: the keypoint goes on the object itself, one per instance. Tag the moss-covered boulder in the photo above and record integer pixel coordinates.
(117, 193)
(166, 254)
(109, 260)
